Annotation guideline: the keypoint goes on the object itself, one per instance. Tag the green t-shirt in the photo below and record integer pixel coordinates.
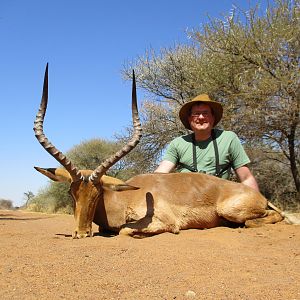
(231, 151)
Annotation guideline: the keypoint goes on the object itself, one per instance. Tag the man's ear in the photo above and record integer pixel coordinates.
(55, 174)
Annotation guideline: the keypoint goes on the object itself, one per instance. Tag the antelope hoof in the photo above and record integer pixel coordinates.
(81, 234)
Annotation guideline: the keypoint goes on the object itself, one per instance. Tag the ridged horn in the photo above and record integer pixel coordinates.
(101, 170)
(39, 133)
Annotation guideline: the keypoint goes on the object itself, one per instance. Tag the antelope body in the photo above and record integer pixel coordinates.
(149, 204)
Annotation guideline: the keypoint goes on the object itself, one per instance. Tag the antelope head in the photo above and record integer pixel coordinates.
(86, 186)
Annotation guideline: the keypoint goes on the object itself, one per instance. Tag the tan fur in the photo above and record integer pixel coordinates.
(154, 203)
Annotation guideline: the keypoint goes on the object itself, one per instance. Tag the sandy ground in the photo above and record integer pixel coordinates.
(39, 260)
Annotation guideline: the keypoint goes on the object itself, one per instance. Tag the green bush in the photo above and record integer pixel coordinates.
(52, 199)
(6, 204)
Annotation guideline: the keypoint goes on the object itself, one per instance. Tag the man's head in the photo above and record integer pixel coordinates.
(200, 113)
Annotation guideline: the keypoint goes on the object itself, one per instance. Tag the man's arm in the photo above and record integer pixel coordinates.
(165, 167)
(246, 177)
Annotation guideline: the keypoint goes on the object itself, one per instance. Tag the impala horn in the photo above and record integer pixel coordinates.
(41, 137)
(101, 170)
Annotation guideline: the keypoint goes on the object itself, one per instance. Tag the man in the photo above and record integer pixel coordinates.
(208, 150)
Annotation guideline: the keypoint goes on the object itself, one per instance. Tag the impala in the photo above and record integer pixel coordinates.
(149, 204)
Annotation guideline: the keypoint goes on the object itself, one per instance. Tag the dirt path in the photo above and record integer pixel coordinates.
(39, 260)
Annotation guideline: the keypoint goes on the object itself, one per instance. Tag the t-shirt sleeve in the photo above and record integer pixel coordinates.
(238, 155)
(171, 153)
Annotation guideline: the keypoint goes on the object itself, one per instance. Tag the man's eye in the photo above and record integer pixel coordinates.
(198, 114)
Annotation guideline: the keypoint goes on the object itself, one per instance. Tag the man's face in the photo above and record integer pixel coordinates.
(201, 118)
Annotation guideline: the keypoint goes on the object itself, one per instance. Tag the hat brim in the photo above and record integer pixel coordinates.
(186, 108)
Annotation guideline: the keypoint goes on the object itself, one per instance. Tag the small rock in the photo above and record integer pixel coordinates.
(190, 294)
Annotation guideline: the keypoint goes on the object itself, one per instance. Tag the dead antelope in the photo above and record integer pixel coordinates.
(149, 204)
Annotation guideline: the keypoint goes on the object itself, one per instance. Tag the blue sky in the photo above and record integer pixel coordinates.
(86, 44)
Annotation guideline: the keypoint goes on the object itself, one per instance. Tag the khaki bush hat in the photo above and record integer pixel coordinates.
(216, 107)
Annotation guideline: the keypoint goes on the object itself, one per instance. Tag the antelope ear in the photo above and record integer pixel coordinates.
(56, 174)
(120, 187)
(115, 184)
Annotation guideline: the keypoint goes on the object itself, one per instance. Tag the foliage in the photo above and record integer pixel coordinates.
(249, 62)
(28, 196)
(275, 180)
(52, 199)
(6, 204)
(90, 154)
